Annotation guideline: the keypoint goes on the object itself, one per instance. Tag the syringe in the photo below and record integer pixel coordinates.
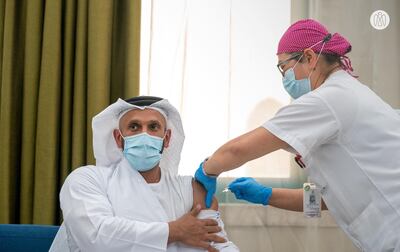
(225, 190)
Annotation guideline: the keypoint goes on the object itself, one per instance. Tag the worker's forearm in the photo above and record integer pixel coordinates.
(289, 199)
(224, 159)
(238, 151)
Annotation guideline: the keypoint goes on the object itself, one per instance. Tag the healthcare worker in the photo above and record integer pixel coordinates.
(345, 137)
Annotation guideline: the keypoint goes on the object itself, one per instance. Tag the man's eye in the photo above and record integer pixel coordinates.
(133, 127)
(154, 126)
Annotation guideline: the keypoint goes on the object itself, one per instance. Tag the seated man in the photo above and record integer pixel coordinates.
(133, 199)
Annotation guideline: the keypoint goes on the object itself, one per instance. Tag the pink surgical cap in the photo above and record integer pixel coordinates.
(307, 33)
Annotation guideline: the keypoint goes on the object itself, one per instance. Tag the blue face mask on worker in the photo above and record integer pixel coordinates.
(297, 88)
(143, 151)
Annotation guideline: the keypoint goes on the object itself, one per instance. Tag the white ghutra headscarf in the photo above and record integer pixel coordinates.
(105, 148)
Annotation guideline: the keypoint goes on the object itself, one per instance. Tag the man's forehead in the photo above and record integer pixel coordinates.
(146, 114)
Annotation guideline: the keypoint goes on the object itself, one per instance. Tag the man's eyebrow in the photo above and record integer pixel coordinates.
(134, 121)
(142, 122)
(155, 121)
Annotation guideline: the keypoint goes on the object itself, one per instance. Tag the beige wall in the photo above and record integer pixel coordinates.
(375, 55)
(257, 228)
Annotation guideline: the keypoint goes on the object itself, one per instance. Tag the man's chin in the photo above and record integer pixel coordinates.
(154, 169)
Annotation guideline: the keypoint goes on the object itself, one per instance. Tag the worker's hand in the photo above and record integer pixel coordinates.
(194, 232)
(209, 183)
(248, 189)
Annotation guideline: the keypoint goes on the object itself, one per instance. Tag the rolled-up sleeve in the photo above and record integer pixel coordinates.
(305, 124)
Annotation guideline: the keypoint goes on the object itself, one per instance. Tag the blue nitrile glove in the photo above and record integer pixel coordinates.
(209, 183)
(248, 189)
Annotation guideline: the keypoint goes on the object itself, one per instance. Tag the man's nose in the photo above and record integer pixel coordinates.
(146, 130)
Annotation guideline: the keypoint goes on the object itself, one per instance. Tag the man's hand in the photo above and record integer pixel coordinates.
(194, 232)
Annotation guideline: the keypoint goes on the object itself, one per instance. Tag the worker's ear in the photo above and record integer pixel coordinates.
(118, 138)
(311, 58)
(167, 138)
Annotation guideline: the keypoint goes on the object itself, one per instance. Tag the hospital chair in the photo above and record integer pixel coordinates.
(21, 238)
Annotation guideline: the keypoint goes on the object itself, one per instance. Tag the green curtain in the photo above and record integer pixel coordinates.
(61, 62)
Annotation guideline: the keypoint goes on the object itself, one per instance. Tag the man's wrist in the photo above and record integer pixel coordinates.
(174, 232)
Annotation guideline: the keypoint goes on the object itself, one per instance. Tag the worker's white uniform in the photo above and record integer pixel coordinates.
(110, 207)
(349, 140)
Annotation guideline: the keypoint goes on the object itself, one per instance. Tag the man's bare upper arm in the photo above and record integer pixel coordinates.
(199, 196)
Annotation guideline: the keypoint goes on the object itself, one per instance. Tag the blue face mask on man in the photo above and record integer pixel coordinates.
(143, 151)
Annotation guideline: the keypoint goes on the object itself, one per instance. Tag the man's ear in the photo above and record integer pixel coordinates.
(167, 138)
(118, 138)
